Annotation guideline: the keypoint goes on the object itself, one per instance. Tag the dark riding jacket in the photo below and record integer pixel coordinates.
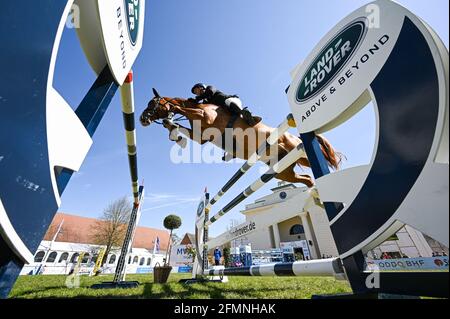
(213, 96)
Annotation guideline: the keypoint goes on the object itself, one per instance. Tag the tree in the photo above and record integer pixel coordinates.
(191, 252)
(111, 227)
(171, 222)
(227, 257)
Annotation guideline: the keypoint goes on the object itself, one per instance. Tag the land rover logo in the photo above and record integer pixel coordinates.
(200, 208)
(332, 58)
(132, 8)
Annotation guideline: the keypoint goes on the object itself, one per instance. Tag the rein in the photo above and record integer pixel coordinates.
(170, 117)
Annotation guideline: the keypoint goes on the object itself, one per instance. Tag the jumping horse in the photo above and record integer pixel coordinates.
(209, 116)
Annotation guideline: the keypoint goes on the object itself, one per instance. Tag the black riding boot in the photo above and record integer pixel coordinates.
(246, 115)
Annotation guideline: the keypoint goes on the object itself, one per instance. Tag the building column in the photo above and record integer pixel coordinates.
(276, 235)
(320, 226)
(419, 241)
(308, 235)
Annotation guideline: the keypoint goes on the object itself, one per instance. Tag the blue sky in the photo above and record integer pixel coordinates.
(242, 47)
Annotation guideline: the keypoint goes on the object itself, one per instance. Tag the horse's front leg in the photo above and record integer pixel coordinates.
(175, 129)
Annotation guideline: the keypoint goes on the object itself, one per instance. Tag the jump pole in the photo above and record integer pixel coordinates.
(320, 267)
(289, 122)
(277, 168)
(127, 98)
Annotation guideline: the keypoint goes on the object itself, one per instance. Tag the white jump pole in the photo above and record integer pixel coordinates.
(284, 163)
(254, 158)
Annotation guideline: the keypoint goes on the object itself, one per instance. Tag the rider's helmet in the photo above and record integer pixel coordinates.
(198, 85)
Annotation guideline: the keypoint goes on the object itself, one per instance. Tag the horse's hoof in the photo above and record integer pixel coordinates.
(182, 142)
(227, 157)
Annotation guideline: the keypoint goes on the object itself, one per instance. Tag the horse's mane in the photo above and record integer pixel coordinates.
(186, 102)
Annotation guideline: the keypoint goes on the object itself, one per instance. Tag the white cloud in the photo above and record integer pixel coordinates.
(161, 200)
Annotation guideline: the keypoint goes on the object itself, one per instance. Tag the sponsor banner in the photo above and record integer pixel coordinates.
(179, 256)
(242, 229)
(144, 270)
(425, 263)
(184, 269)
(288, 247)
(245, 249)
(304, 245)
(85, 270)
(261, 261)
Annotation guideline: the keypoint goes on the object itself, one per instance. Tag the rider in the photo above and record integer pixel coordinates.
(211, 95)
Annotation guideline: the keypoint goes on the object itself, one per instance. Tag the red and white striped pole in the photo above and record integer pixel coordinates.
(127, 95)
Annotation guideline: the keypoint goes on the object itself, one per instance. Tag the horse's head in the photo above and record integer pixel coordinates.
(158, 108)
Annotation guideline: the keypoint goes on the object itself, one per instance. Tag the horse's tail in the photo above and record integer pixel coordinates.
(333, 157)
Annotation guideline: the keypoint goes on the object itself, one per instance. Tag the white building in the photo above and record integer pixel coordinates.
(77, 236)
(314, 232)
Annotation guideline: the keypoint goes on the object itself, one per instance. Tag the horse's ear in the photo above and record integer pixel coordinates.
(156, 93)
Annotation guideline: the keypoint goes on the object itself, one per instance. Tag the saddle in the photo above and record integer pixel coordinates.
(229, 156)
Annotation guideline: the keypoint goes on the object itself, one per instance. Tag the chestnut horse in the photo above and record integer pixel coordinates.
(210, 116)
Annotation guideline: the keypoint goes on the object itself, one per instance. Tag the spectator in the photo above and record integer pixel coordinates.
(217, 256)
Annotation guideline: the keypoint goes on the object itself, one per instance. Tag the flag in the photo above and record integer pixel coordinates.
(156, 246)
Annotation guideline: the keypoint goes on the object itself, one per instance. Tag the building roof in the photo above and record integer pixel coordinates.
(78, 229)
(188, 239)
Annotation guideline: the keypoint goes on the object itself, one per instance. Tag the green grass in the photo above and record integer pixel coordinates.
(49, 286)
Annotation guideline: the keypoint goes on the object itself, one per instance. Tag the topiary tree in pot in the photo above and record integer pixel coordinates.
(161, 274)
(171, 222)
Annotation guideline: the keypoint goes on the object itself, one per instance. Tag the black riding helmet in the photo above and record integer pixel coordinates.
(198, 85)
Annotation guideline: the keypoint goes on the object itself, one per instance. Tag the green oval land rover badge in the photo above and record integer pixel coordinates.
(200, 208)
(132, 8)
(330, 61)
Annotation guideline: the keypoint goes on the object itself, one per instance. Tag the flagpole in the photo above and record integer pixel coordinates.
(50, 246)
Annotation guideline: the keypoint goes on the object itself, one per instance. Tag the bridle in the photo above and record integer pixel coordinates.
(161, 102)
